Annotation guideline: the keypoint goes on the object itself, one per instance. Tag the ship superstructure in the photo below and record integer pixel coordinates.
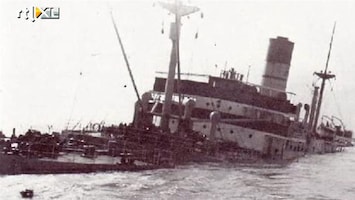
(230, 112)
(227, 110)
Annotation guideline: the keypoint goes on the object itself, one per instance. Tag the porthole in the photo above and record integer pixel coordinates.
(173, 121)
(231, 131)
(250, 135)
(207, 104)
(230, 108)
(204, 126)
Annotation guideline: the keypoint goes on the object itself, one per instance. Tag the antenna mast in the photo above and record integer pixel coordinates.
(324, 76)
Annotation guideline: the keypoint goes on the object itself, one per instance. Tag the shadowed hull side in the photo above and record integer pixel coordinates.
(15, 164)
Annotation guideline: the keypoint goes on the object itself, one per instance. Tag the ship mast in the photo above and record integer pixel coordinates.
(324, 76)
(126, 60)
(179, 10)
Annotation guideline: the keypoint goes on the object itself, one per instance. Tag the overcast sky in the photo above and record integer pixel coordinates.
(72, 70)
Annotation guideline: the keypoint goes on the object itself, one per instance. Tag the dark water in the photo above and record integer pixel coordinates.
(330, 176)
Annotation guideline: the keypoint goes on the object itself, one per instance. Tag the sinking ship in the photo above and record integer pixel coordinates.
(237, 116)
(221, 119)
(231, 112)
(258, 118)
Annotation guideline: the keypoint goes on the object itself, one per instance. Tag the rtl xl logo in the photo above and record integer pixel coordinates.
(41, 13)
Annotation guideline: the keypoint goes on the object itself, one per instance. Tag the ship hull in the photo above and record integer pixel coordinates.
(16, 164)
(319, 146)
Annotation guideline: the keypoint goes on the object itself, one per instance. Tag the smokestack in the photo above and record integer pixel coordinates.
(277, 67)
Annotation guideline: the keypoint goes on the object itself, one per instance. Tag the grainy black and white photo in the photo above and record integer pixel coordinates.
(177, 99)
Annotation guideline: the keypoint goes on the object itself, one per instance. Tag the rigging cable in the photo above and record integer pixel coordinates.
(194, 44)
(178, 25)
(335, 100)
(74, 100)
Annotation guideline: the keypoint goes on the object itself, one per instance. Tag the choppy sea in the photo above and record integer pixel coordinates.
(328, 176)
